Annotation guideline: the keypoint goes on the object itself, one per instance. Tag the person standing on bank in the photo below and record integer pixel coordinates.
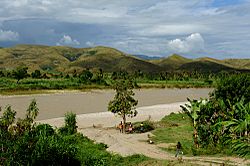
(178, 149)
(121, 127)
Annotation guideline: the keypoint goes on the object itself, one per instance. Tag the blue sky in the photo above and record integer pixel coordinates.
(193, 28)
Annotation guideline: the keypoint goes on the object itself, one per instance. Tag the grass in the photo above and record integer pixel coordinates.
(174, 128)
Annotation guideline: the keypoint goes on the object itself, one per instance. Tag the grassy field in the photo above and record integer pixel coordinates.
(174, 128)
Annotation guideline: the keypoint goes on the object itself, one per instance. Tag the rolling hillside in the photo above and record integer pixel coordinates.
(239, 63)
(172, 62)
(67, 59)
(204, 64)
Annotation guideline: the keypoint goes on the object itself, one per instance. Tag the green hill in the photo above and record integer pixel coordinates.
(172, 62)
(67, 59)
(238, 63)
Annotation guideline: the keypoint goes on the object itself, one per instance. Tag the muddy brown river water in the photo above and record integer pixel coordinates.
(56, 105)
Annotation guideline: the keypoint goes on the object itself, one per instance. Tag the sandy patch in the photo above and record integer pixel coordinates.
(108, 119)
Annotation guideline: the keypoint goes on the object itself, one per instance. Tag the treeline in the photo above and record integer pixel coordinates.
(22, 73)
(222, 122)
(23, 79)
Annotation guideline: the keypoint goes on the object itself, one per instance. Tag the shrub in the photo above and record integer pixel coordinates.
(44, 130)
(70, 124)
(147, 126)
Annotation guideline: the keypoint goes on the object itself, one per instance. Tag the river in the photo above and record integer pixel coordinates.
(56, 105)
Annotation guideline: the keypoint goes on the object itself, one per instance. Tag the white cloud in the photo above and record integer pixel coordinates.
(66, 40)
(163, 30)
(90, 44)
(192, 43)
(8, 35)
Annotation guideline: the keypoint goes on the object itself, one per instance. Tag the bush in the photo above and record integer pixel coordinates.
(147, 126)
(54, 150)
(70, 124)
(44, 130)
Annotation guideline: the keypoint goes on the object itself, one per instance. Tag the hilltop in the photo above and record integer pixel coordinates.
(68, 59)
(172, 62)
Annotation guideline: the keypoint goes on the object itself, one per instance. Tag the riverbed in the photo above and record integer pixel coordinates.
(57, 104)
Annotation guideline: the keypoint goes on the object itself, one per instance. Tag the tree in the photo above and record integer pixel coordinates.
(86, 76)
(233, 88)
(36, 74)
(123, 103)
(20, 73)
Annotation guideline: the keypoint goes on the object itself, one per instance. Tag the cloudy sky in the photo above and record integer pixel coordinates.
(193, 28)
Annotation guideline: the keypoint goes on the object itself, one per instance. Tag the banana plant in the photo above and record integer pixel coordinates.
(240, 129)
(192, 110)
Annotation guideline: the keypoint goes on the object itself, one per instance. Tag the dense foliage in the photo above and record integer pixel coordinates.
(224, 119)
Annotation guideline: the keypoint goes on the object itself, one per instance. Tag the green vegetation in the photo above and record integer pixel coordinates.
(223, 120)
(20, 80)
(219, 125)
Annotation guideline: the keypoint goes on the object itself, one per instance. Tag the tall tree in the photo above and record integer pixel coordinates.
(123, 103)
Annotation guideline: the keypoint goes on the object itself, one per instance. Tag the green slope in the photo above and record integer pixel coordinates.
(205, 66)
(68, 59)
(172, 62)
(238, 63)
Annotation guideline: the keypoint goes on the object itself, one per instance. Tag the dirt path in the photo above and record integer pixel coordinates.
(128, 144)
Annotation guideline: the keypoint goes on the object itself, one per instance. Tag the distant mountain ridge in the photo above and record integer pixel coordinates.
(67, 59)
(146, 57)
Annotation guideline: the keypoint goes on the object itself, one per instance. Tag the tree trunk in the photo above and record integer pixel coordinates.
(196, 138)
(124, 122)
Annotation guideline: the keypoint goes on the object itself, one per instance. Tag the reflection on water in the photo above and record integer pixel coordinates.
(56, 105)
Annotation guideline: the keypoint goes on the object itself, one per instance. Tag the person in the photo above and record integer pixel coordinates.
(141, 127)
(130, 128)
(178, 149)
(121, 127)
